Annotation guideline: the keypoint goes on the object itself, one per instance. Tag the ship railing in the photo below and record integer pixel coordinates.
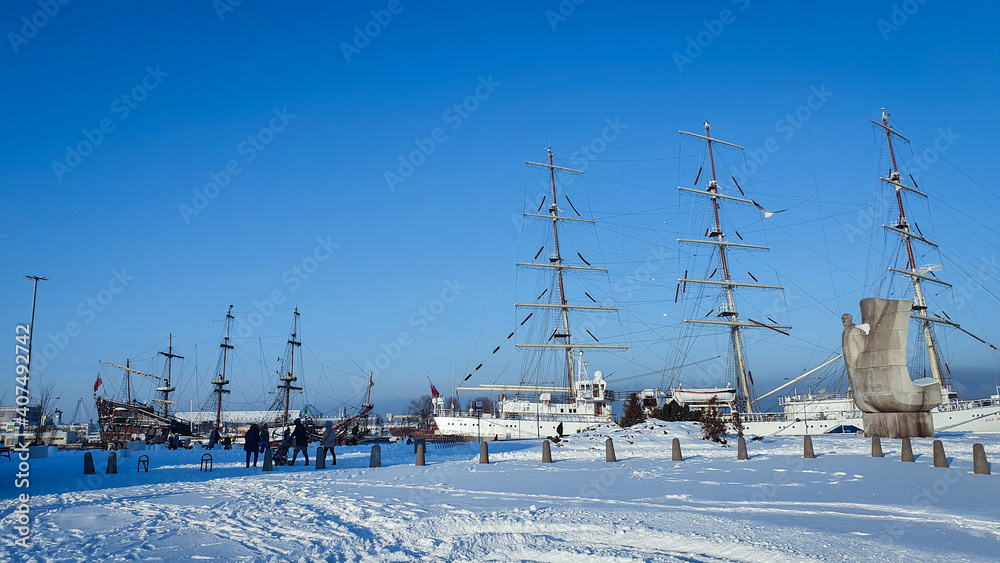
(952, 406)
(807, 397)
(763, 417)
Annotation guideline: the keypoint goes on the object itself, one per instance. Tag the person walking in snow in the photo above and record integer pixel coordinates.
(251, 443)
(328, 440)
(300, 440)
(213, 438)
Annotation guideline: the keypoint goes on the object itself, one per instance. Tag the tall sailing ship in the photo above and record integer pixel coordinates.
(580, 401)
(720, 285)
(127, 418)
(823, 412)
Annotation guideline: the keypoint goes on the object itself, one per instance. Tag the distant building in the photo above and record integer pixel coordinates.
(237, 417)
(33, 414)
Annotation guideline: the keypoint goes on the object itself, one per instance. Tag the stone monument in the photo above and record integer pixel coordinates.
(892, 405)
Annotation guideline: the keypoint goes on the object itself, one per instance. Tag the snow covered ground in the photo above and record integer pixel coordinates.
(774, 507)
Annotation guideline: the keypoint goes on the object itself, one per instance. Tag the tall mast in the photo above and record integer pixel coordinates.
(556, 261)
(288, 377)
(717, 238)
(167, 389)
(128, 376)
(556, 258)
(221, 382)
(915, 273)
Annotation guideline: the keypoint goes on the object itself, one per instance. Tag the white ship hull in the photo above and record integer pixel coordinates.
(518, 428)
(958, 416)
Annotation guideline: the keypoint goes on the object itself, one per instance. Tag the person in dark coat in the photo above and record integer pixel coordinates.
(559, 430)
(251, 443)
(265, 438)
(300, 440)
(213, 438)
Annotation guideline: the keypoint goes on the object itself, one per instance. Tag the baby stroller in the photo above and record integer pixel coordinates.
(280, 455)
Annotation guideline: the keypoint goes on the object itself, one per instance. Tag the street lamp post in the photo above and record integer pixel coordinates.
(31, 340)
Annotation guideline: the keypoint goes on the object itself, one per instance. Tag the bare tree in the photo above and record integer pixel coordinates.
(423, 408)
(45, 400)
(488, 406)
(452, 404)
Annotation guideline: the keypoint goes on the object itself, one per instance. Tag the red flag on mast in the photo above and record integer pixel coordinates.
(434, 391)
(97, 383)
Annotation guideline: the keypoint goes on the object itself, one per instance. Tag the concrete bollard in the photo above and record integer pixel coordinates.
(609, 451)
(484, 453)
(675, 450)
(979, 464)
(88, 464)
(321, 458)
(741, 449)
(268, 461)
(376, 459)
(907, 451)
(546, 452)
(807, 447)
(421, 453)
(939, 458)
(112, 463)
(876, 446)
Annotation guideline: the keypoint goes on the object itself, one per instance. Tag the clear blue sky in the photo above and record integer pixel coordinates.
(309, 116)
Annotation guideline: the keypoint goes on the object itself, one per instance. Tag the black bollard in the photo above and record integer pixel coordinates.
(807, 447)
(939, 458)
(376, 459)
(609, 451)
(88, 464)
(321, 458)
(421, 453)
(907, 452)
(675, 450)
(876, 446)
(112, 463)
(484, 453)
(979, 464)
(741, 449)
(546, 452)
(268, 461)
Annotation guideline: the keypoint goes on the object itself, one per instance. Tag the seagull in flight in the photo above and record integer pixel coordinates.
(767, 214)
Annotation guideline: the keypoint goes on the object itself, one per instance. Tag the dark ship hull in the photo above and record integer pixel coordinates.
(123, 422)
